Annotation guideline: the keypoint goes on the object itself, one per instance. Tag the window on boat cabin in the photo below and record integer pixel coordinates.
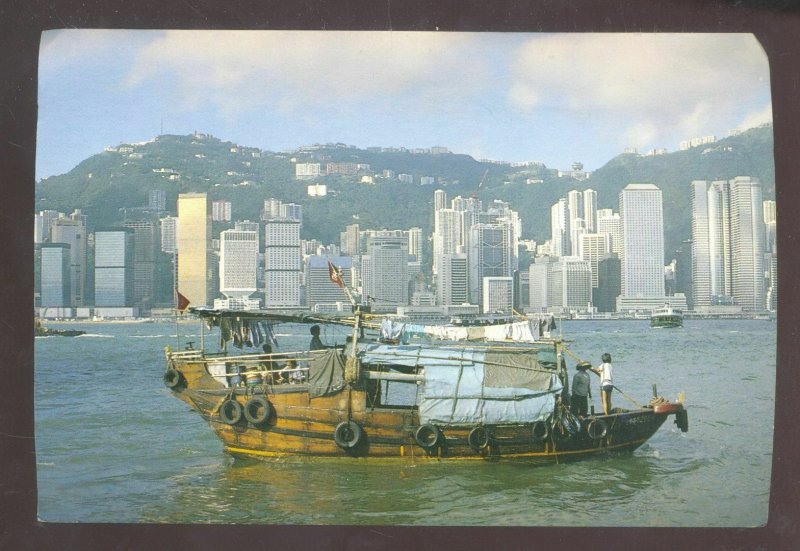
(391, 394)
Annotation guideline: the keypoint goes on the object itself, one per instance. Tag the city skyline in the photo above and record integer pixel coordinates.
(502, 93)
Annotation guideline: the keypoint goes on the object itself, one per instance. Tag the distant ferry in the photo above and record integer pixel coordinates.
(666, 316)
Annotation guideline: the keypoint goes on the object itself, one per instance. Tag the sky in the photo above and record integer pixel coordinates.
(554, 98)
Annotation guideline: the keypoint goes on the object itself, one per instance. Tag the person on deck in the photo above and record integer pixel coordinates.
(316, 342)
(606, 374)
(581, 390)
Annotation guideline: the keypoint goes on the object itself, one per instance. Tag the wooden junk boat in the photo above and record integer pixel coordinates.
(413, 391)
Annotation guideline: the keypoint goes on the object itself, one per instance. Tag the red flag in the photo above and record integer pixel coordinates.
(334, 274)
(183, 302)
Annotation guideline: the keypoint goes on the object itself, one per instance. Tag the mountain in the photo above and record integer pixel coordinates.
(121, 178)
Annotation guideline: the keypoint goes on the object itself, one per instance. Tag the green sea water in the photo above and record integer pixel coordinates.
(113, 445)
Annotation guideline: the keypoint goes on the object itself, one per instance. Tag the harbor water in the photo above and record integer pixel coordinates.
(113, 445)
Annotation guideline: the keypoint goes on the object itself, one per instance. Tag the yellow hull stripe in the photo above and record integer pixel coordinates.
(544, 455)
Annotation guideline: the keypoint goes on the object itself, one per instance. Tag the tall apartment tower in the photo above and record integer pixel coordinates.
(559, 228)
(41, 228)
(577, 225)
(590, 210)
(113, 267)
(169, 234)
(72, 231)
(642, 254)
(728, 243)
(55, 274)
(282, 263)
(593, 247)
(194, 248)
(221, 210)
(447, 236)
(452, 281)
(238, 263)
(415, 242)
(770, 219)
(609, 222)
(157, 200)
(386, 276)
(349, 241)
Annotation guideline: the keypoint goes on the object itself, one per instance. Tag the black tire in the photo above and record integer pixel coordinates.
(348, 435)
(428, 436)
(478, 439)
(230, 412)
(257, 410)
(597, 429)
(540, 431)
(172, 378)
(682, 420)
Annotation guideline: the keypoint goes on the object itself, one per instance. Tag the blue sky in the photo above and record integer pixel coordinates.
(555, 98)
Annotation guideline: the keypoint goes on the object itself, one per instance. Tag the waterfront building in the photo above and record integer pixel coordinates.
(498, 294)
(321, 292)
(385, 270)
(54, 274)
(238, 263)
(728, 243)
(72, 231)
(489, 254)
(194, 248)
(113, 267)
(452, 281)
(282, 263)
(145, 239)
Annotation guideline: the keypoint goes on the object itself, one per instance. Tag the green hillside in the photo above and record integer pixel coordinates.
(113, 180)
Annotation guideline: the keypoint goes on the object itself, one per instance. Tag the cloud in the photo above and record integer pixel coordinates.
(756, 118)
(236, 71)
(662, 83)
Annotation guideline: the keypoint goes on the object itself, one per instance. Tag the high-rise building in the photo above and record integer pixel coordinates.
(145, 239)
(498, 294)
(157, 200)
(593, 247)
(415, 242)
(452, 281)
(194, 248)
(349, 241)
(113, 267)
(55, 274)
(246, 225)
(570, 284)
(770, 226)
(292, 211)
(610, 223)
(221, 210)
(489, 254)
(728, 243)
(41, 228)
(559, 228)
(72, 231)
(590, 210)
(320, 290)
(609, 283)
(447, 236)
(282, 259)
(577, 225)
(238, 263)
(385, 271)
(169, 234)
(272, 209)
(538, 274)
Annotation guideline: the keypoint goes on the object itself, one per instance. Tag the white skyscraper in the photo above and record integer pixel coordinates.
(386, 278)
(238, 263)
(221, 210)
(642, 254)
(281, 263)
(593, 247)
(452, 281)
(72, 231)
(770, 220)
(559, 228)
(498, 294)
(747, 229)
(447, 237)
(415, 242)
(169, 234)
(576, 222)
(701, 251)
(590, 210)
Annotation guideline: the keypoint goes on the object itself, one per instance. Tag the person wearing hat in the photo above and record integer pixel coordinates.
(581, 390)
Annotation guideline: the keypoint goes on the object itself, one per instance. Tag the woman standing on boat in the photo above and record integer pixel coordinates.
(605, 371)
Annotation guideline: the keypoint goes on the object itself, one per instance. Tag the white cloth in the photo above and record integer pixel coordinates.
(606, 374)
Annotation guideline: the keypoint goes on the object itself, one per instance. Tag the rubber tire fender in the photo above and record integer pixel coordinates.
(540, 431)
(478, 438)
(348, 435)
(172, 377)
(257, 410)
(230, 411)
(428, 436)
(682, 420)
(597, 428)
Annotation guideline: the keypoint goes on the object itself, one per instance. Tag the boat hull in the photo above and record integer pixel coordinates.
(301, 425)
(666, 321)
